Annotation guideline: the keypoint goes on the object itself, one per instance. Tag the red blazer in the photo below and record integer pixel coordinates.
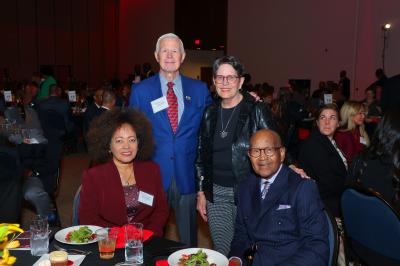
(349, 143)
(102, 200)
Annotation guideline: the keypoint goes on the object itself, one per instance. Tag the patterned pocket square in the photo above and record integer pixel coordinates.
(283, 207)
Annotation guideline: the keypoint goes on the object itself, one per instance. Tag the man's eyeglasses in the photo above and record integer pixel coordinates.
(230, 79)
(268, 151)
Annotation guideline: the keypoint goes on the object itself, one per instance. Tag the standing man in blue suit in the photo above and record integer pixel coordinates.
(280, 218)
(174, 104)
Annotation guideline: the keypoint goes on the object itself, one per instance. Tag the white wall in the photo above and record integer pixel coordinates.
(315, 39)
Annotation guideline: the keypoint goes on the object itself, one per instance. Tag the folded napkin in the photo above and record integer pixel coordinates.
(121, 236)
(162, 263)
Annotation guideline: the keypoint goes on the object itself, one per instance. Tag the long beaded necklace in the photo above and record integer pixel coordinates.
(223, 132)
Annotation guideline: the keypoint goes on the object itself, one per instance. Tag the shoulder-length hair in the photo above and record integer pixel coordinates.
(348, 110)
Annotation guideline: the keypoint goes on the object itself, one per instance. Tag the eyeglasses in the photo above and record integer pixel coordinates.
(268, 151)
(230, 79)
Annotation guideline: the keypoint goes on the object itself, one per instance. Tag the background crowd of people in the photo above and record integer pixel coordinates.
(162, 141)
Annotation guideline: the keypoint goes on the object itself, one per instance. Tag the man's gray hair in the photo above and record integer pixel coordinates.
(169, 36)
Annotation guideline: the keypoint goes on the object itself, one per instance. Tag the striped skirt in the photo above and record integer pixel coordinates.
(221, 218)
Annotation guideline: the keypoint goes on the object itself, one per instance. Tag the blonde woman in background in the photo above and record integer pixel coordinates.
(352, 138)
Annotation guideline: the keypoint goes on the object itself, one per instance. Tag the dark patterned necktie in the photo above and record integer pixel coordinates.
(172, 106)
(265, 189)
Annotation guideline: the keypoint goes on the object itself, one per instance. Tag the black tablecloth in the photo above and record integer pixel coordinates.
(154, 249)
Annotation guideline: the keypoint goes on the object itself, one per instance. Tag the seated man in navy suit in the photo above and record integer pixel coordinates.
(280, 218)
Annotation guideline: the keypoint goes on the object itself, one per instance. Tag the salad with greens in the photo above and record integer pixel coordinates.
(82, 235)
(197, 259)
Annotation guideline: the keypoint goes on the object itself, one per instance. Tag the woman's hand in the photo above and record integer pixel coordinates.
(299, 171)
(201, 205)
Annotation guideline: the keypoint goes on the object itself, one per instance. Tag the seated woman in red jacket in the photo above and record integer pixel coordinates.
(124, 186)
(352, 138)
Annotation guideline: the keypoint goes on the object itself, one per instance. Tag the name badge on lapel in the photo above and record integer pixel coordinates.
(146, 198)
(159, 104)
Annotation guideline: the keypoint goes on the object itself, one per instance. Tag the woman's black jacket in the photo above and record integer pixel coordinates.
(252, 117)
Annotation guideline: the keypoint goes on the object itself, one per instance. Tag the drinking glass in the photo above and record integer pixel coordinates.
(106, 239)
(39, 238)
(134, 243)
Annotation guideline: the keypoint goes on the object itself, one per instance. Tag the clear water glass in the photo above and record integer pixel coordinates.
(39, 236)
(134, 243)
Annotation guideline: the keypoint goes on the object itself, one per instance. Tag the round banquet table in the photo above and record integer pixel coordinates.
(154, 249)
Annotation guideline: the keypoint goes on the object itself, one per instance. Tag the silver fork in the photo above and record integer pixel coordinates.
(72, 251)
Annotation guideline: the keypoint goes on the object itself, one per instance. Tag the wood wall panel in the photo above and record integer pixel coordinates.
(95, 29)
(63, 33)
(9, 29)
(99, 39)
(80, 40)
(46, 32)
(29, 62)
(110, 39)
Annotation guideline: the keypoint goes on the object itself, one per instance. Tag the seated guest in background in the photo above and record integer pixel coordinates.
(352, 138)
(10, 181)
(25, 117)
(285, 125)
(125, 92)
(109, 99)
(266, 93)
(280, 215)
(124, 187)
(378, 166)
(92, 110)
(58, 105)
(374, 110)
(317, 97)
(372, 104)
(32, 89)
(323, 161)
(32, 154)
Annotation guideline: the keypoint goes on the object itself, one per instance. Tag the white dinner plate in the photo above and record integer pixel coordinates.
(60, 235)
(212, 256)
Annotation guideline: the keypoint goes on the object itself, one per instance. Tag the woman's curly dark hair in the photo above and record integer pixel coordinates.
(103, 128)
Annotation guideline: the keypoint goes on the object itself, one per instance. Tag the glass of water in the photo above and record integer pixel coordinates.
(134, 243)
(39, 238)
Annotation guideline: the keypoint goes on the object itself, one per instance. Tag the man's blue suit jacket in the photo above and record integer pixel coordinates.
(288, 226)
(175, 153)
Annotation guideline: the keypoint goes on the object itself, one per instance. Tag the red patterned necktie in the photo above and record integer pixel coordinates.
(172, 106)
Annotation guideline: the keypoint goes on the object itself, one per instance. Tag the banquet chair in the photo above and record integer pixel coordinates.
(75, 207)
(371, 227)
(333, 235)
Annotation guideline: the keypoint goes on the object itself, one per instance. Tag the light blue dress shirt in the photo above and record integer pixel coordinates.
(271, 180)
